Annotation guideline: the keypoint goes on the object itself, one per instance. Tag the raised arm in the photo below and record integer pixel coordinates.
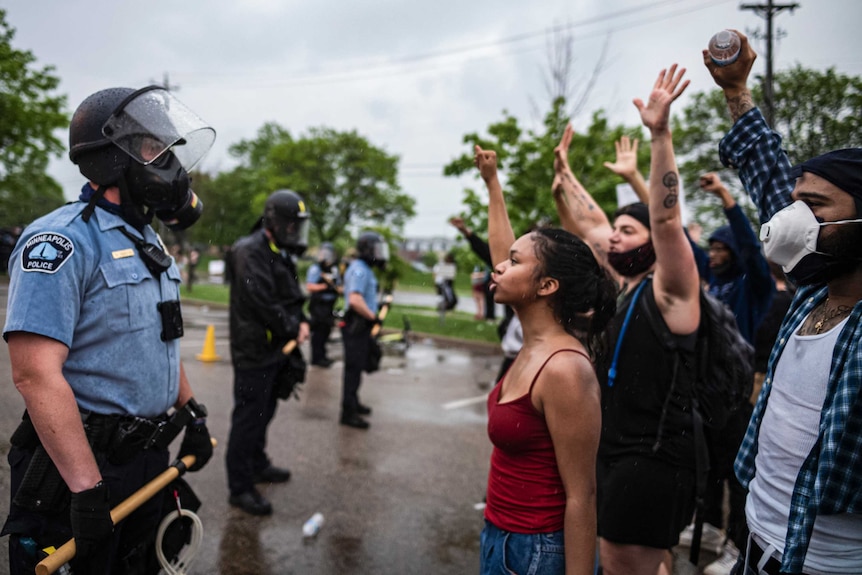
(477, 244)
(578, 211)
(626, 166)
(752, 261)
(500, 234)
(751, 147)
(675, 280)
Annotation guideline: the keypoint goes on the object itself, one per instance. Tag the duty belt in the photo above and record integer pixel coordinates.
(121, 437)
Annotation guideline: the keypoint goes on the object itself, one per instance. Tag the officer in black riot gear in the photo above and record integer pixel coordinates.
(93, 325)
(323, 283)
(266, 313)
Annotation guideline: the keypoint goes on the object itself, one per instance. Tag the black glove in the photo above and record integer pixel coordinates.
(90, 514)
(196, 441)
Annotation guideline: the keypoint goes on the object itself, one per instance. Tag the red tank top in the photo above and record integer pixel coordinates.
(525, 490)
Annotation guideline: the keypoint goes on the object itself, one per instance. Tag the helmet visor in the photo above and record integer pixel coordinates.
(152, 121)
(326, 255)
(381, 251)
(291, 234)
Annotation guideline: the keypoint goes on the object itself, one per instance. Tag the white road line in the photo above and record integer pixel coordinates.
(465, 402)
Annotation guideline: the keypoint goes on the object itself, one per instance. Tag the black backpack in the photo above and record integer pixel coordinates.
(725, 363)
(724, 359)
(724, 375)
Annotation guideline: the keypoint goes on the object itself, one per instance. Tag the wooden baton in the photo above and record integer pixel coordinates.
(66, 552)
(381, 315)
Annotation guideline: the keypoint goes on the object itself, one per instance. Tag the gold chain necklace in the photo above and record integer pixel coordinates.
(827, 314)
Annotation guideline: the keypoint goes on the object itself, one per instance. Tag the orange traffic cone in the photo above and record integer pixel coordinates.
(209, 351)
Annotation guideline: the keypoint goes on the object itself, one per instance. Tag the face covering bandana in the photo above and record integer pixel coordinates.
(790, 239)
(633, 262)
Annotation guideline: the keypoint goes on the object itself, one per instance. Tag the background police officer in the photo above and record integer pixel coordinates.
(360, 289)
(92, 324)
(323, 283)
(266, 303)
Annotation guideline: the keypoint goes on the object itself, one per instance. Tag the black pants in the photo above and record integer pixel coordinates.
(320, 313)
(253, 410)
(723, 446)
(356, 344)
(131, 548)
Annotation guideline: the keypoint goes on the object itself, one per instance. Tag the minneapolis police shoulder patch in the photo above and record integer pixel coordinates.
(46, 252)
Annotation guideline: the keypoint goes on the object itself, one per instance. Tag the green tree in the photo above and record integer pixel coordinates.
(233, 202)
(526, 158)
(345, 180)
(29, 114)
(815, 112)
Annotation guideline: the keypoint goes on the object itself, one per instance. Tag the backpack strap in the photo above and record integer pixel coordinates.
(701, 470)
(612, 371)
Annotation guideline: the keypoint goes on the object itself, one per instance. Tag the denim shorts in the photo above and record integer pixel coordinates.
(507, 553)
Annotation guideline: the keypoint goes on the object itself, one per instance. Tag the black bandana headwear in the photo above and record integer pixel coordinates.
(842, 168)
(637, 210)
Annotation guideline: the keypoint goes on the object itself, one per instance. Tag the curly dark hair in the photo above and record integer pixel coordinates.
(586, 300)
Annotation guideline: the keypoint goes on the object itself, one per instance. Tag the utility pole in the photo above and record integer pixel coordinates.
(166, 83)
(767, 11)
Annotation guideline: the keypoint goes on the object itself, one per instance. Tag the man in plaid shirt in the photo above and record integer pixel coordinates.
(801, 458)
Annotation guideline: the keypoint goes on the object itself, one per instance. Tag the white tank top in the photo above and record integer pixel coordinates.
(788, 432)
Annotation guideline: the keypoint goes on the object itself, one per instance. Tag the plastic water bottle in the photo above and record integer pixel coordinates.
(724, 47)
(312, 526)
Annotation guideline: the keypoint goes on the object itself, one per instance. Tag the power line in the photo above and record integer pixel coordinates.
(406, 64)
(767, 12)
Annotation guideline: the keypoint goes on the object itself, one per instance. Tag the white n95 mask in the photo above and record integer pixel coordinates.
(790, 236)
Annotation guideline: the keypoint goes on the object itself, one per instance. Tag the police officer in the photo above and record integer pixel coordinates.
(266, 303)
(323, 283)
(93, 326)
(360, 289)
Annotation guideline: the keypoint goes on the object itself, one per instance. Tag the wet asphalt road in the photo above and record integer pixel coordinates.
(398, 498)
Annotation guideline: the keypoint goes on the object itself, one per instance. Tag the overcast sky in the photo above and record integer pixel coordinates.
(412, 77)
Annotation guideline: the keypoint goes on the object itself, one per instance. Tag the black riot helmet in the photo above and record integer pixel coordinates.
(286, 218)
(98, 159)
(144, 142)
(373, 249)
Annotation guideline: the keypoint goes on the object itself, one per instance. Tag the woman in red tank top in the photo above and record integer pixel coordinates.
(544, 415)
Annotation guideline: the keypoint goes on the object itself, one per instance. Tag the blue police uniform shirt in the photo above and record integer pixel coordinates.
(360, 278)
(84, 285)
(315, 276)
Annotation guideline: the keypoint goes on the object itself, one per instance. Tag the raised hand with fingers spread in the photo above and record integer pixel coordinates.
(626, 166)
(655, 114)
(626, 163)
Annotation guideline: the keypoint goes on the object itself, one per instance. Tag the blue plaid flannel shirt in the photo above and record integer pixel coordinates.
(830, 480)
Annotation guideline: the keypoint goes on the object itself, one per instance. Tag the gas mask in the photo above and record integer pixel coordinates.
(164, 140)
(163, 187)
(790, 239)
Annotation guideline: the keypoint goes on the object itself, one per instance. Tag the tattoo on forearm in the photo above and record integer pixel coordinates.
(671, 182)
(739, 105)
(580, 199)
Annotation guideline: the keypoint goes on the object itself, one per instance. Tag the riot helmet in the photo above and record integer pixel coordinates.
(145, 142)
(326, 255)
(373, 249)
(286, 219)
